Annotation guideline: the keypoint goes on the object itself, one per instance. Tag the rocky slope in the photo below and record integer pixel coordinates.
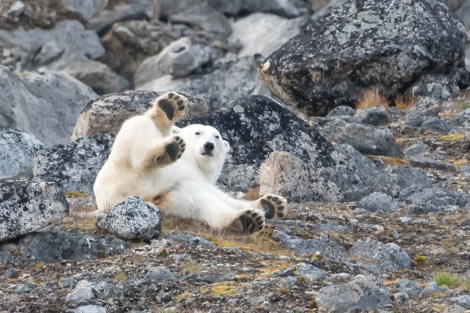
(379, 204)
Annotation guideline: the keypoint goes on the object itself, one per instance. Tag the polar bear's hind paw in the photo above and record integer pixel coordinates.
(275, 207)
(252, 221)
(173, 105)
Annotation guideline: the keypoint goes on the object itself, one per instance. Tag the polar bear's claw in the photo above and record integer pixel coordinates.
(275, 207)
(173, 105)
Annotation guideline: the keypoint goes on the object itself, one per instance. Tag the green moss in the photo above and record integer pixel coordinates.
(75, 194)
(446, 279)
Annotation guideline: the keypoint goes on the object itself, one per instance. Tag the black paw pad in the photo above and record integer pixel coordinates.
(268, 208)
(170, 95)
(172, 150)
(167, 107)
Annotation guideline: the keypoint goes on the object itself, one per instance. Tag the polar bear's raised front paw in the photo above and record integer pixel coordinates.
(172, 104)
(172, 152)
(249, 222)
(274, 207)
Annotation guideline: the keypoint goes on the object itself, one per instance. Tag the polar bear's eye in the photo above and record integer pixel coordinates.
(197, 133)
(217, 137)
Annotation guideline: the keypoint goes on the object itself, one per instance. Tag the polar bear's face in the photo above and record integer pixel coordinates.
(206, 146)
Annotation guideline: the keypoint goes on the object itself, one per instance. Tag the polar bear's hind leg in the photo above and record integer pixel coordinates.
(274, 207)
(249, 222)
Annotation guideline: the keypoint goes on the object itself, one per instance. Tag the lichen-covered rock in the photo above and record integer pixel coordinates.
(106, 114)
(376, 115)
(363, 293)
(26, 207)
(385, 257)
(363, 44)
(257, 126)
(57, 246)
(17, 151)
(73, 166)
(45, 104)
(132, 219)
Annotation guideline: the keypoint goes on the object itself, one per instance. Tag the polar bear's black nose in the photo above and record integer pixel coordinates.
(209, 146)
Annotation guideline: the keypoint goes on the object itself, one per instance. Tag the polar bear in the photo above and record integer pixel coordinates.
(176, 170)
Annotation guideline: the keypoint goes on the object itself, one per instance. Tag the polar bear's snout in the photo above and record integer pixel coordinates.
(208, 149)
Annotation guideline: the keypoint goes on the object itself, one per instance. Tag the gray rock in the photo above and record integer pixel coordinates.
(90, 308)
(279, 7)
(376, 115)
(73, 166)
(26, 207)
(45, 104)
(262, 33)
(431, 289)
(85, 7)
(427, 162)
(341, 110)
(326, 247)
(72, 40)
(439, 87)
(97, 75)
(388, 257)
(190, 240)
(311, 273)
(204, 17)
(392, 180)
(363, 293)
(461, 119)
(426, 200)
(57, 246)
(135, 10)
(465, 169)
(132, 219)
(286, 175)
(17, 151)
(106, 114)
(81, 294)
(409, 287)
(376, 202)
(424, 107)
(463, 300)
(314, 81)
(159, 273)
(11, 272)
(179, 59)
(16, 9)
(227, 79)
(416, 149)
(435, 125)
(367, 139)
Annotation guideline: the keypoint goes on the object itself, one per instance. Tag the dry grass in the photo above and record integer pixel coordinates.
(403, 103)
(371, 98)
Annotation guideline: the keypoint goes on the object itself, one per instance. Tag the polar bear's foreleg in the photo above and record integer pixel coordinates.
(273, 206)
(162, 152)
(166, 110)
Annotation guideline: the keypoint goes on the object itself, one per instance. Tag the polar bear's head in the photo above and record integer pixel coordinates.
(206, 146)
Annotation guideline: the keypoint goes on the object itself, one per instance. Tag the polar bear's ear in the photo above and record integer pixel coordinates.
(175, 130)
(226, 146)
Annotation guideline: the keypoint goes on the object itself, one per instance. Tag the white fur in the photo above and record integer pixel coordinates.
(185, 188)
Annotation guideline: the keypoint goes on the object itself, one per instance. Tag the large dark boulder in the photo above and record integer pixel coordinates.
(364, 44)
